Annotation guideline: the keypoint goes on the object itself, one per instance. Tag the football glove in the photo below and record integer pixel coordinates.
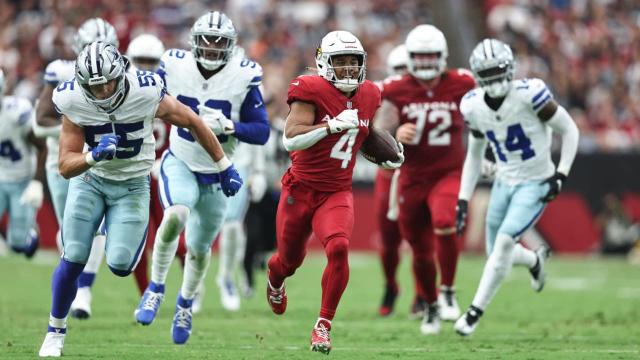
(257, 186)
(489, 168)
(32, 194)
(347, 119)
(461, 215)
(230, 181)
(106, 148)
(216, 121)
(395, 164)
(555, 185)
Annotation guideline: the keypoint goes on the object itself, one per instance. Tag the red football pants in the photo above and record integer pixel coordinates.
(330, 216)
(389, 230)
(424, 207)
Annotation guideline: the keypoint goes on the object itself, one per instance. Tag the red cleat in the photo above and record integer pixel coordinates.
(277, 299)
(320, 340)
(388, 301)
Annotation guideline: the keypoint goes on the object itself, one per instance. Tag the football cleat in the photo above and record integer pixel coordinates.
(229, 296)
(53, 343)
(33, 240)
(81, 305)
(198, 299)
(537, 272)
(431, 320)
(320, 340)
(277, 298)
(388, 300)
(149, 304)
(449, 309)
(182, 319)
(469, 321)
(418, 306)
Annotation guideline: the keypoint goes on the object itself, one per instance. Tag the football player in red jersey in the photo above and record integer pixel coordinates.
(387, 218)
(329, 118)
(426, 102)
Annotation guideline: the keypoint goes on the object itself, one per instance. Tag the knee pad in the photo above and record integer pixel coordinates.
(75, 252)
(120, 260)
(175, 218)
(503, 249)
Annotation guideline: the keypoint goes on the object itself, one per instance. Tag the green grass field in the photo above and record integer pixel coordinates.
(589, 310)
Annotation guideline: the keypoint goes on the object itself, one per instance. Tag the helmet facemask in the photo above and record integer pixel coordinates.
(426, 65)
(496, 80)
(212, 51)
(109, 103)
(345, 70)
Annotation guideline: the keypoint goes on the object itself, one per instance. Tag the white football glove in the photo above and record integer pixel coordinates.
(32, 194)
(489, 168)
(155, 169)
(257, 186)
(347, 119)
(395, 164)
(216, 120)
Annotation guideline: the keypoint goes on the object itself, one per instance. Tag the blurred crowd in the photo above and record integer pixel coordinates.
(280, 35)
(588, 51)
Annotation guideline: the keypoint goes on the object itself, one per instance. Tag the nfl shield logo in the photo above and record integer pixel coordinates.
(205, 86)
(349, 104)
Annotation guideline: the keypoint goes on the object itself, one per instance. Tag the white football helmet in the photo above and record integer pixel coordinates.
(493, 66)
(94, 29)
(426, 39)
(145, 52)
(97, 64)
(338, 43)
(397, 60)
(213, 39)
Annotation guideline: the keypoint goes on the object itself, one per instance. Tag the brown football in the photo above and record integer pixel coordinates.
(379, 147)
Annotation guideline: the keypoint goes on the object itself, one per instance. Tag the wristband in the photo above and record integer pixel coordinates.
(223, 164)
(89, 159)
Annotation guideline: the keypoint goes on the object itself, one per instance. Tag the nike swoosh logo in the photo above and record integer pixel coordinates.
(296, 83)
(258, 105)
(132, 189)
(234, 180)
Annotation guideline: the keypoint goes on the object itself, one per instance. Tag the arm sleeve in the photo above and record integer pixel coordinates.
(472, 166)
(304, 141)
(253, 127)
(562, 123)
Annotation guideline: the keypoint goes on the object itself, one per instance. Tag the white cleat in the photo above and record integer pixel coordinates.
(468, 322)
(538, 275)
(52, 345)
(431, 321)
(198, 299)
(228, 295)
(81, 305)
(449, 309)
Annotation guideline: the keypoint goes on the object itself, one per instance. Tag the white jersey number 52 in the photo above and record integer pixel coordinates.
(438, 135)
(342, 150)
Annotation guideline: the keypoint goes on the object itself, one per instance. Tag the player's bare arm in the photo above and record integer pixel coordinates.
(176, 113)
(72, 161)
(387, 117)
(300, 120)
(300, 132)
(41, 146)
(46, 115)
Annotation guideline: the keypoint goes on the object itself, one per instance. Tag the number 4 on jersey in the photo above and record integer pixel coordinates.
(343, 149)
